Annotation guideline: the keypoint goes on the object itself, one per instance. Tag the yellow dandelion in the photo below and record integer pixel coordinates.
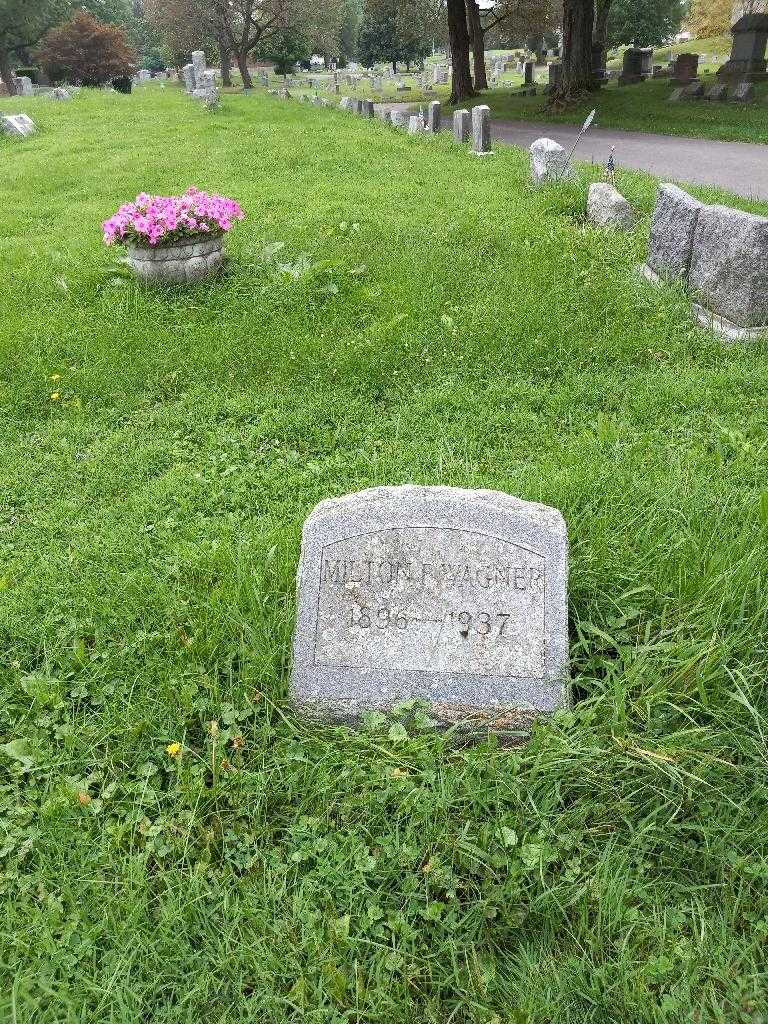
(173, 750)
(55, 376)
(55, 396)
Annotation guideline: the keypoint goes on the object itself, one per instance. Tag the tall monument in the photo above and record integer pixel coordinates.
(749, 28)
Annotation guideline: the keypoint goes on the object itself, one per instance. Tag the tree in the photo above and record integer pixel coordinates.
(187, 25)
(87, 51)
(392, 31)
(577, 77)
(22, 25)
(458, 40)
(710, 18)
(643, 22)
(535, 18)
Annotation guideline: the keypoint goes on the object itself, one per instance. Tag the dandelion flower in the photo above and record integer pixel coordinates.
(55, 396)
(173, 750)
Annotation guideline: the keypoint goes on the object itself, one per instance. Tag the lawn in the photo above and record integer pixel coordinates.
(394, 311)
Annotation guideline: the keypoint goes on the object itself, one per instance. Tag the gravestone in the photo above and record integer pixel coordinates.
(366, 108)
(632, 69)
(743, 93)
(750, 34)
(528, 69)
(646, 61)
(433, 117)
(18, 126)
(673, 226)
(694, 91)
(188, 72)
(461, 126)
(25, 86)
(346, 103)
(685, 69)
(453, 597)
(415, 125)
(59, 93)
(729, 266)
(199, 67)
(481, 131)
(676, 95)
(549, 163)
(717, 93)
(399, 118)
(607, 207)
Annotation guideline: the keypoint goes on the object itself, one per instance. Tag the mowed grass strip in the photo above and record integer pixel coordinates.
(393, 311)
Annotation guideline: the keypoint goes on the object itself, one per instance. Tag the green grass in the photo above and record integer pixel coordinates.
(645, 108)
(477, 334)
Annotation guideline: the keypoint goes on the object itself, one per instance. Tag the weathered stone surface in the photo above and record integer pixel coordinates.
(415, 126)
(399, 118)
(481, 130)
(18, 126)
(743, 93)
(452, 596)
(729, 265)
(188, 261)
(367, 108)
(461, 125)
(672, 229)
(694, 91)
(549, 162)
(346, 103)
(433, 117)
(25, 86)
(676, 95)
(607, 207)
(717, 93)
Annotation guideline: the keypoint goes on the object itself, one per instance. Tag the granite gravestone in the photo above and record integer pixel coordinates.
(18, 126)
(455, 597)
(481, 131)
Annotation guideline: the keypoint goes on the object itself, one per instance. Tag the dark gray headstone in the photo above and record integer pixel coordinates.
(455, 597)
(481, 130)
(461, 125)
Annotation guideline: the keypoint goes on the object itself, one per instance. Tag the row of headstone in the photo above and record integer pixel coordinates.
(744, 92)
(200, 81)
(718, 254)
(476, 125)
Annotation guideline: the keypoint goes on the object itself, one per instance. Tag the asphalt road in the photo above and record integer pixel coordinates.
(740, 167)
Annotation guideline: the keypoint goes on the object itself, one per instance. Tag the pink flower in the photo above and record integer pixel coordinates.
(154, 219)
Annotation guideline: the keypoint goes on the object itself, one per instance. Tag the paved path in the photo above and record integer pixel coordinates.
(740, 167)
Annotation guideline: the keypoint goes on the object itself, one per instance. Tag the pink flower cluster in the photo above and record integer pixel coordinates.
(150, 220)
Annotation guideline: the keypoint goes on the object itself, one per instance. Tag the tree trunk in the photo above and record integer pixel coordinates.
(459, 42)
(600, 34)
(478, 45)
(578, 23)
(6, 72)
(242, 64)
(225, 59)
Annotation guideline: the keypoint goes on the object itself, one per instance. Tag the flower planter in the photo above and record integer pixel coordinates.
(190, 260)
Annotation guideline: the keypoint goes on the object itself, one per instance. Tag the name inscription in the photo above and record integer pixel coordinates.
(432, 600)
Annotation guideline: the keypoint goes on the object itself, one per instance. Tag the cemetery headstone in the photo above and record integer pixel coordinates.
(743, 93)
(549, 162)
(528, 69)
(433, 117)
(454, 597)
(676, 95)
(555, 77)
(367, 108)
(686, 68)
(607, 207)
(672, 229)
(199, 67)
(632, 69)
(18, 126)
(414, 124)
(188, 72)
(750, 35)
(25, 86)
(717, 93)
(694, 91)
(729, 266)
(481, 131)
(461, 126)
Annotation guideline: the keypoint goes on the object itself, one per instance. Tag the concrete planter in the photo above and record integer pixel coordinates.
(188, 261)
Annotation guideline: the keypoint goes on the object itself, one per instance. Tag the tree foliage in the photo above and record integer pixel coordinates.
(394, 31)
(710, 18)
(643, 22)
(87, 51)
